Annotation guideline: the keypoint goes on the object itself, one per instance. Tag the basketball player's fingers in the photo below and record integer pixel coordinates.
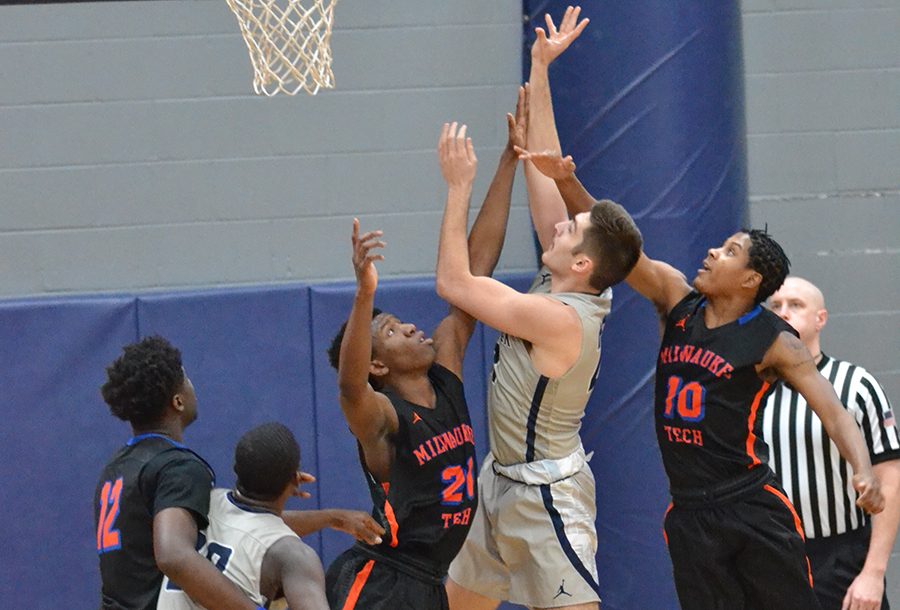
(306, 477)
(355, 234)
(580, 28)
(470, 151)
(569, 163)
(370, 235)
(461, 134)
(372, 258)
(541, 36)
(566, 23)
(510, 123)
(551, 29)
(526, 100)
(442, 141)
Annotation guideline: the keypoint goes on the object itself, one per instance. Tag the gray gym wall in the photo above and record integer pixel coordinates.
(134, 157)
(823, 121)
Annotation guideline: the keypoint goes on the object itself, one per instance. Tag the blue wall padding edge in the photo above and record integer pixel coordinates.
(57, 436)
(649, 102)
(254, 355)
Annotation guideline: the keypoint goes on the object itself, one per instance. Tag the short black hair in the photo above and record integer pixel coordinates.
(613, 241)
(142, 381)
(334, 350)
(769, 260)
(265, 461)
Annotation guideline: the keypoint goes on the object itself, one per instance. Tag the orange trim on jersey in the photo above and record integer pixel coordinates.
(392, 522)
(797, 523)
(751, 437)
(358, 583)
(665, 535)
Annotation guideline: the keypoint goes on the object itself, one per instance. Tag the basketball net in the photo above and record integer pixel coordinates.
(288, 43)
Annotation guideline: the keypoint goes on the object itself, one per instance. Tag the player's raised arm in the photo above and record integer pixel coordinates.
(531, 317)
(791, 361)
(659, 282)
(545, 203)
(485, 239)
(369, 413)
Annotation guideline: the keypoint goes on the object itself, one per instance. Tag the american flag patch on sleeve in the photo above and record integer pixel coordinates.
(889, 419)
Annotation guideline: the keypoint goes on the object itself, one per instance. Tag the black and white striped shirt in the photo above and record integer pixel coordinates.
(811, 470)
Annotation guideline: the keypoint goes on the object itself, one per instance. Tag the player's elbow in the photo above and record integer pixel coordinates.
(450, 287)
(173, 560)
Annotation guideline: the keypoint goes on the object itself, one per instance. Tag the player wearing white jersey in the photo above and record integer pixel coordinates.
(248, 539)
(533, 539)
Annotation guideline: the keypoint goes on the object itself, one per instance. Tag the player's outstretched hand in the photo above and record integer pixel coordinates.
(549, 162)
(869, 495)
(363, 259)
(358, 524)
(547, 48)
(518, 125)
(457, 156)
(303, 478)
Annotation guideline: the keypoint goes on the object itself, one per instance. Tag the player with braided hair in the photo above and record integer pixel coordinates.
(734, 537)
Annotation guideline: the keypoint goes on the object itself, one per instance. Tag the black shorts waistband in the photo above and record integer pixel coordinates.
(411, 566)
(728, 491)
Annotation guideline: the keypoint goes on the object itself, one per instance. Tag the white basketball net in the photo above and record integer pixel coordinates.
(288, 43)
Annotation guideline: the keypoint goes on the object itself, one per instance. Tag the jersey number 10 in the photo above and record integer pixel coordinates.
(688, 399)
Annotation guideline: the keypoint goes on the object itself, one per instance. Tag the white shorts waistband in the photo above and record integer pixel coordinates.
(544, 472)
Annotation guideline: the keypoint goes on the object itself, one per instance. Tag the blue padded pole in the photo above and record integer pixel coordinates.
(650, 103)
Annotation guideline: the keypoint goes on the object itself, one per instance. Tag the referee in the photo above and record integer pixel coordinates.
(847, 553)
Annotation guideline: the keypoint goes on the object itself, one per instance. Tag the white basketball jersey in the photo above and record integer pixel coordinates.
(236, 542)
(533, 417)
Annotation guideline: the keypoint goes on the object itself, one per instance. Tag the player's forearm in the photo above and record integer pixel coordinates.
(356, 346)
(489, 230)
(203, 582)
(577, 198)
(885, 523)
(305, 522)
(453, 255)
(542, 134)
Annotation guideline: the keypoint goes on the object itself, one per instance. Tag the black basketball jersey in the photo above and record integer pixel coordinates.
(150, 473)
(427, 506)
(709, 397)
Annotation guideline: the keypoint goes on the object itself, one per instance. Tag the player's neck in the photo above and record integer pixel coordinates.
(569, 284)
(271, 506)
(169, 429)
(415, 388)
(722, 310)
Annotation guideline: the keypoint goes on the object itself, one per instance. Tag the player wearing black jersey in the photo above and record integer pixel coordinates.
(153, 495)
(734, 538)
(402, 396)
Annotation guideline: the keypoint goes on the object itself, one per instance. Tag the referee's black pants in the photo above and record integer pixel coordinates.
(836, 561)
(739, 547)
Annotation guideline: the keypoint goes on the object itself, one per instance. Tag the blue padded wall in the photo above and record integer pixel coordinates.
(254, 355)
(58, 434)
(649, 102)
(248, 354)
